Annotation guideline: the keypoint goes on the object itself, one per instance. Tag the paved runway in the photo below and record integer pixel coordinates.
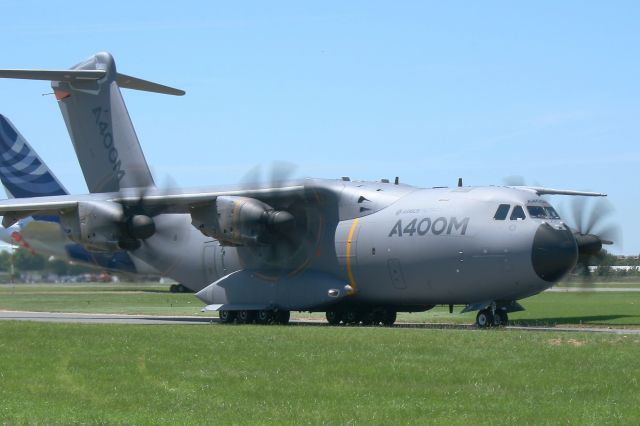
(58, 317)
(101, 318)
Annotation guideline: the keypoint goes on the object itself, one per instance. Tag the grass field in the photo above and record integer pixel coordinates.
(210, 374)
(99, 298)
(611, 309)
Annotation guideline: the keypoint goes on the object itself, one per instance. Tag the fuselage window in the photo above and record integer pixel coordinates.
(553, 214)
(517, 213)
(502, 212)
(537, 212)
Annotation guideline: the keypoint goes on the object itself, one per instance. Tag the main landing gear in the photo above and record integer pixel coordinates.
(376, 317)
(383, 317)
(487, 318)
(254, 317)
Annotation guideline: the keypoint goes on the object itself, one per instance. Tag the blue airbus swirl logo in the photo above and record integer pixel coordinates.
(21, 171)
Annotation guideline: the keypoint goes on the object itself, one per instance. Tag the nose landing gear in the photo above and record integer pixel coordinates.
(490, 318)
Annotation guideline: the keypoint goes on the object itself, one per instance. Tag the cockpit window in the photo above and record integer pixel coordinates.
(537, 212)
(542, 212)
(517, 213)
(502, 212)
(553, 214)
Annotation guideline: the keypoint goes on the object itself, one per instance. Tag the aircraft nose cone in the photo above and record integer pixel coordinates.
(554, 252)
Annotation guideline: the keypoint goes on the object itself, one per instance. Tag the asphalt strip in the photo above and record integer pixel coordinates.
(82, 318)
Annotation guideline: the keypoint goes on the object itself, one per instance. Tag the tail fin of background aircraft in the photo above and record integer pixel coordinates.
(22, 171)
(98, 122)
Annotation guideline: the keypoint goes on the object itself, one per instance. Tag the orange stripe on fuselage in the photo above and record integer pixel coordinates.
(352, 230)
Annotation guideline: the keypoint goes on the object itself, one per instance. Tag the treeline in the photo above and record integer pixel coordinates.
(22, 260)
(608, 265)
(627, 261)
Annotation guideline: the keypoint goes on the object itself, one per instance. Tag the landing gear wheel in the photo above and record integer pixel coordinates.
(368, 318)
(246, 317)
(282, 317)
(484, 318)
(389, 318)
(334, 317)
(500, 319)
(227, 317)
(351, 318)
(264, 317)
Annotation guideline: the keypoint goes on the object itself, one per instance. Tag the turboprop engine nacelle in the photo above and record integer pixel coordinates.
(240, 221)
(94, 224)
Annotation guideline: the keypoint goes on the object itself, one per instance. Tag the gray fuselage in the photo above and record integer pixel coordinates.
(395, 245)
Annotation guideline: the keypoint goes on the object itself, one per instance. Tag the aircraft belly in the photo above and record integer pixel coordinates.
(307, 291)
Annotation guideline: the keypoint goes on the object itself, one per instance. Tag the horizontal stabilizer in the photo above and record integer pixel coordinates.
(70, 76)
(78, 76)
(147, 86)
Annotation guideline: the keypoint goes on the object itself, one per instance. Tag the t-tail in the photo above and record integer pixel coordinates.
(98, 121)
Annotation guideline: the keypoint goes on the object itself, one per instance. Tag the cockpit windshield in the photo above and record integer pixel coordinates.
(542, 212)
(537, 212)
(553, 214)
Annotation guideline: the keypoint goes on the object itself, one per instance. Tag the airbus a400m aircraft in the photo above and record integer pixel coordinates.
(359, 251)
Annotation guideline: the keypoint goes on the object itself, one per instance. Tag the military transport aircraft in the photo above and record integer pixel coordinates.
(359, 251)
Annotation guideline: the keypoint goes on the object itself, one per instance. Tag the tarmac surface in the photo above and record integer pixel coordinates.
(58, 317)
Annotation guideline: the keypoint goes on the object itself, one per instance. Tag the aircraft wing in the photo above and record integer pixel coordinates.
(550, 191)
(169, 201)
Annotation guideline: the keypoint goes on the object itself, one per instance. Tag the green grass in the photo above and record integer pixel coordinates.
(98, 298)
(211, 374)
(631, 282)
(610, 309)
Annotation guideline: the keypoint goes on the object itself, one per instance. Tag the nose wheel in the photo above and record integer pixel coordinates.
(486, 318)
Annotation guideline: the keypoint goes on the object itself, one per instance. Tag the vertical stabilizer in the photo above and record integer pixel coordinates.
(22, 171)
(98, 122)
(101, 130)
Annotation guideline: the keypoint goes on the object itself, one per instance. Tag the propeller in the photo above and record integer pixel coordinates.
(292, 224)
(137, 223)
(517, 180)
(591, 222)
(590, 219)
(514, 180)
